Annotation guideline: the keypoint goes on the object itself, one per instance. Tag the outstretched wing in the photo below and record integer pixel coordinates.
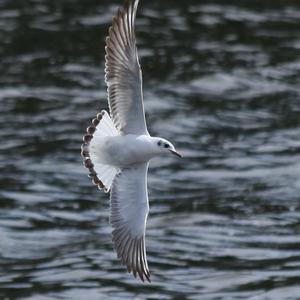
(129, 211)
(123, 74)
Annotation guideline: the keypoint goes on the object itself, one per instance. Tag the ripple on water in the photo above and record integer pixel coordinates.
(222, 82)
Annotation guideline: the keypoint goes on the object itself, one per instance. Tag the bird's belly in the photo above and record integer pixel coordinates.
(120, 151)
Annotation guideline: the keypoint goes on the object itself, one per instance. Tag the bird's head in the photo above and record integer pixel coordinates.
(165, 147)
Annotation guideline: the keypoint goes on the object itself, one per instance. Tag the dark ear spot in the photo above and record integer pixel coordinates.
(159, 143)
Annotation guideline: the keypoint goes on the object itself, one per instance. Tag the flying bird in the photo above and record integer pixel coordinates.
(117, 146)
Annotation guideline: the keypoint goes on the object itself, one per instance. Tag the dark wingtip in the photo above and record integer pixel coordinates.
(148, 277)
(138, 265)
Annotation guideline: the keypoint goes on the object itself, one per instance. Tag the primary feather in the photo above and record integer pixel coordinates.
(123, 74)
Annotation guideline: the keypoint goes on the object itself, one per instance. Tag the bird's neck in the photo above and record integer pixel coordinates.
(149, 148)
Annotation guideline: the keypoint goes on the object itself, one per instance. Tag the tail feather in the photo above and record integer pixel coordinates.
(101, 174)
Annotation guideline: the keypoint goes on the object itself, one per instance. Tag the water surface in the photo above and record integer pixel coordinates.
(222, 82)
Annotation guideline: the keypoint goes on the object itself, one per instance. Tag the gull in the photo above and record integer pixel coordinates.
(117, 146)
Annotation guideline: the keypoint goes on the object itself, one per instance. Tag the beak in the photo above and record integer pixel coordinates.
(176, 153)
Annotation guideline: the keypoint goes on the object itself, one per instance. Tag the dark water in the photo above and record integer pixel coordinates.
(222, 82)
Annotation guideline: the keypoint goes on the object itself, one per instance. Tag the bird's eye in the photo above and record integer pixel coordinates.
(159, 143)
(167, 145)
